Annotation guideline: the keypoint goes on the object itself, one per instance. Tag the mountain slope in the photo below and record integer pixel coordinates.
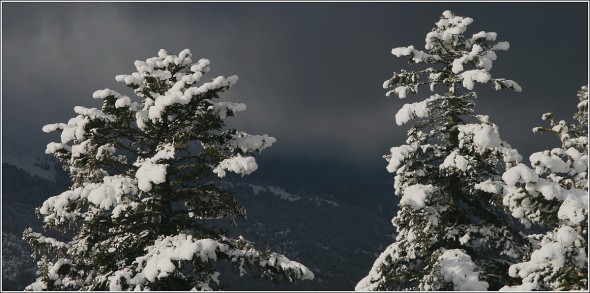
(42, 166)
(21, 194)
(337, 240)
(334, 222)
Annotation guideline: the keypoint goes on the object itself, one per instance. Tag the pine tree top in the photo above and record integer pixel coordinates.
(458, 59)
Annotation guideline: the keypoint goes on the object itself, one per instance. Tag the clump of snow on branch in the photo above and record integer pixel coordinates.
(478, 75)
(416, 195)
(455, 161)
(238, 164)
(249, 143)
(226, 108)
(483, 136)
(150, 171)
(168, 253)
(457, 267)
(415, 110)
(111, 194)
(397, 156)
(490, 186)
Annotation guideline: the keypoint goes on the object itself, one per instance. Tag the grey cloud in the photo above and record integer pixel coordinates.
(310, 73)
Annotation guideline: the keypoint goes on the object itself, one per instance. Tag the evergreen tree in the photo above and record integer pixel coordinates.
(553, 194)
(453, 232)
(144, 209)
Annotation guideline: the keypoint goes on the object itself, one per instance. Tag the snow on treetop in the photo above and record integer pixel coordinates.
(152, 66)
(178, 74)
(469, 59)
(447, 28)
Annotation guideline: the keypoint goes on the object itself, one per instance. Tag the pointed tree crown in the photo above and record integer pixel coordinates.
(144, 201)
(452, 230)
(461, 60)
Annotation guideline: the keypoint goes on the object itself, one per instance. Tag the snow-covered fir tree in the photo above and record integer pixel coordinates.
(453, 232)
(143, 211)
(553, 194)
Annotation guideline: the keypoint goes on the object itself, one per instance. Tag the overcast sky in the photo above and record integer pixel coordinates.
(311, 74)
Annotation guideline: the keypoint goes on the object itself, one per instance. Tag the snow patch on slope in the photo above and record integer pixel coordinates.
(277, 191)
(320, 201)
(284, 195)
(35, 164)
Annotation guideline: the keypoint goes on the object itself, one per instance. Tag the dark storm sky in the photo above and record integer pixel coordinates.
(311, 74)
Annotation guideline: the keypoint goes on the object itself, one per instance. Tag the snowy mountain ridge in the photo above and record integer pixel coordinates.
(36, 164)
(281, 193)
(284, 195)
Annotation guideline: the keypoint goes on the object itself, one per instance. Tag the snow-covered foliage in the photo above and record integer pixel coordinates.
(457, 267)
(453, 233)
(467, 59)
(553, 194)
(143, 201)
